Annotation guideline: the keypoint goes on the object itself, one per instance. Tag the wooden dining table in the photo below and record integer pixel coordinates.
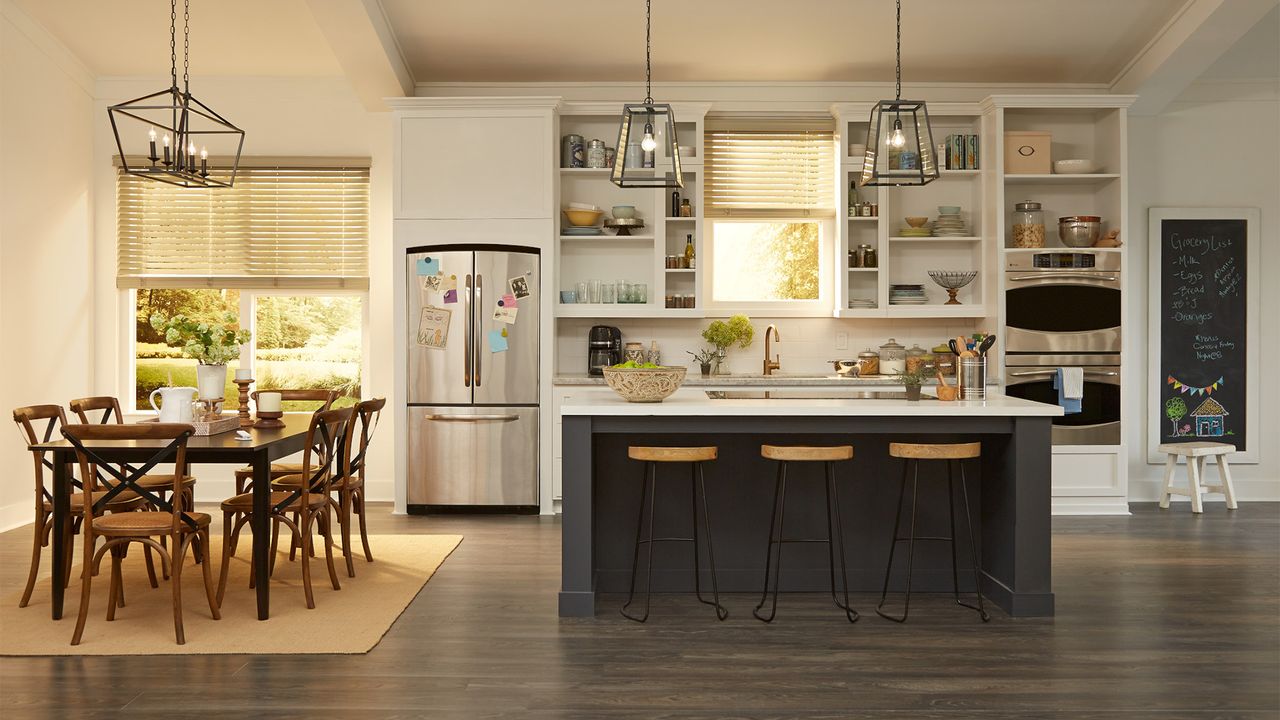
(263, 447)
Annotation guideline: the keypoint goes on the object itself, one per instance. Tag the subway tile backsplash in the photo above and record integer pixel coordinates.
(807, 344)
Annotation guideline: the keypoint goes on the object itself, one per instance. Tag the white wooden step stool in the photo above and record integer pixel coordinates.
(1196, 453)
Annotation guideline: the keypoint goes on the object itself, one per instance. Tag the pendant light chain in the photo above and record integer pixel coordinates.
(898, 54)
(648, 67)
(186, 44)
(173, 42)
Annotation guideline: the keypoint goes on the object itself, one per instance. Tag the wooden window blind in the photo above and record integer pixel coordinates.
(278, 227)
(770, 173)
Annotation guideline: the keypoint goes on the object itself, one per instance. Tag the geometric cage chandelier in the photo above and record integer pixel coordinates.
(900, 147)
(179, 129)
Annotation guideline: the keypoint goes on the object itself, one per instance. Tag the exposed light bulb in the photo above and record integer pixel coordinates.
(152, 135)
(647, 143)
(166, 139)
(204, 153)
(191, 149)
(896, 138)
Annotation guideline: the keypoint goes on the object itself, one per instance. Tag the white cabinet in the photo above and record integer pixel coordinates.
(475, 158)
(1090, 480)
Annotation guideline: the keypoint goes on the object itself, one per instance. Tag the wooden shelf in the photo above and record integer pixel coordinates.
(683, 219)
(1052, 179)
(860, 313)
(616, 310)
(937, 310)
(603, 172)
(860, 218)
(681, 270)
(1062, 249)
(613, 239)
(964, 238)
(967, 172)
(874, 269)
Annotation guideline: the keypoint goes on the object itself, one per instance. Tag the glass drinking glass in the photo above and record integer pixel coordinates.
(582, 292)
(593, 290)
(640, 293)
(608, 293)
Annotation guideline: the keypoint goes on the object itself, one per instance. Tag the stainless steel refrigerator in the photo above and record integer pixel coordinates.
(473, 378)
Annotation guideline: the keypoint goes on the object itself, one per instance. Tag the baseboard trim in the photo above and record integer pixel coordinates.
(1090, 506)
(15, 515)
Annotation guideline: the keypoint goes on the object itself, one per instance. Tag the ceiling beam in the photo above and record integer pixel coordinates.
(360, 36)
(1184, 48)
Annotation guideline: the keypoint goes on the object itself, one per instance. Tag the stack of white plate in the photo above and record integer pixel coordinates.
(907, 295)
(861, 304)
(950, 226)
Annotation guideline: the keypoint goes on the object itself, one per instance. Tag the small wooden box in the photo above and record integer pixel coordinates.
(1027, 153)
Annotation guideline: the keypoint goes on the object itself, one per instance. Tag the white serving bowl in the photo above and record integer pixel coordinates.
(1074, 167)
(624, 212)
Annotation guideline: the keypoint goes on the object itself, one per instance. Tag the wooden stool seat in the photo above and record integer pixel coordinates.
(1196, 453)
(931, 451)
(803, 453)
(141, 524)
(671, 454)
(163, 482)
(126, 500)
(241, 502)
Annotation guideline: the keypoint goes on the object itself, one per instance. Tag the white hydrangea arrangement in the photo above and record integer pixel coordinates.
(207, 343)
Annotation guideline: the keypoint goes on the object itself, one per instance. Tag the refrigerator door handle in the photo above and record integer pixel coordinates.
(479, 305)
(466, 312)
(473, 418)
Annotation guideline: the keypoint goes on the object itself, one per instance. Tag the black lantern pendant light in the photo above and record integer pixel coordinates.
(899, 141)
(633, 153)
(183, 127)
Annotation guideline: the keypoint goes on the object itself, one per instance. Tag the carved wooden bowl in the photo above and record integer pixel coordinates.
(645, 385)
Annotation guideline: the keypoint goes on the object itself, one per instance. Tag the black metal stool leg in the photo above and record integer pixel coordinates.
(911, 543)
(775, 521)
(833, 507)
(721, 611)
(647, 486)
(973, 549)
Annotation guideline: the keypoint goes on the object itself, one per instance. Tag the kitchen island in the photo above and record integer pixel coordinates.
(1009, 489)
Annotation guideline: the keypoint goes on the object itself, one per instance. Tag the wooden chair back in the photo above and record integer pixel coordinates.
(327, 456)
(83, 436)
(326, 398)
(368, 412)
(29, 420)
(105, 404)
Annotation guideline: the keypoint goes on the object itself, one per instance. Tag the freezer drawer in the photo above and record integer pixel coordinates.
(473, 456)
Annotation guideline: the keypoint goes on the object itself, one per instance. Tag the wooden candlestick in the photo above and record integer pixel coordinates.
(245, 420)
(267, 419)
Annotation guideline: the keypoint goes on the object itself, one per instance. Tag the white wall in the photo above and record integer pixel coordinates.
(1217, 145)
(46, 257)
(293, 116)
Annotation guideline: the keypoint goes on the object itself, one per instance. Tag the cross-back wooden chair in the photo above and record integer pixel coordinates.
(169, 519)
(325, 459)
(39, 424)
(349, 488)
(105, 410)
(244, 476)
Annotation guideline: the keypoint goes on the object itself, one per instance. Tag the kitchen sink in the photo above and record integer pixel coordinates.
(816, 394)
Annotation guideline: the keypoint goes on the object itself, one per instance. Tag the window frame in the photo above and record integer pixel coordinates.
(248, 309)
(821, 307)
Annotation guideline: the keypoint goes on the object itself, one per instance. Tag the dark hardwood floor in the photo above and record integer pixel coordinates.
(1160, 615)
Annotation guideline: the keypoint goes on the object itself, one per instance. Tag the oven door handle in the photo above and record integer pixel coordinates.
(1063, 276)
(1031, 373)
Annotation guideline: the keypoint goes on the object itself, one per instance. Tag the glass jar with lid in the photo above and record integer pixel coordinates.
(1028, 225)
(944, 360)
(915, 359)
(868, 255)
(596, 154)
(868, 363)
(893, 358)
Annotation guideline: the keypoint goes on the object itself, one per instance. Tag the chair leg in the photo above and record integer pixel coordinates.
(86, 581)
(151, 567)
(344, 521)
(304, 539)
(1224, 479)
(973, 548)
(646, 488)
(721, 611)
(113, 593)
(1193, 479)
(836, 541)
(164, 543)
(41, 525)
(364, 532)
(1170, 464)
(775, 538)
(207, 570)
(911, 542)
(179, 559)
(275, 542)
(326, 527)
(230, 531)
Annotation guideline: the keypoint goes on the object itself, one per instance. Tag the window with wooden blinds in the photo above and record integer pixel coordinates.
(763, 173)
(278, 227)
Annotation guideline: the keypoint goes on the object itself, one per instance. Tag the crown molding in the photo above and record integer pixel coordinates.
(47, 43)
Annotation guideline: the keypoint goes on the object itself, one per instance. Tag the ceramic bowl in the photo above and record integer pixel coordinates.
(916, 221)
(948, 209)
(583, 218)
(1074, 167)
(645, 385)
(624, 212)
(568, 297)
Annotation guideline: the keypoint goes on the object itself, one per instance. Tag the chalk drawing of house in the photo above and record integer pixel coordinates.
(1208, 417)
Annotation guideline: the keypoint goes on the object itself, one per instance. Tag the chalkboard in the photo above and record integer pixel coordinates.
(1202, 317)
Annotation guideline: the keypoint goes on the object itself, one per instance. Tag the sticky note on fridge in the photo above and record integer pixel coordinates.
(505, 314)
(507, 300)
(451, 296)
(428, 266)
(449, 282)
(497, 341)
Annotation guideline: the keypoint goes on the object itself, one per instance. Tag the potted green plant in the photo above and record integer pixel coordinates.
(210, 344)
(704, 358)
(737, 330)
(911, 381)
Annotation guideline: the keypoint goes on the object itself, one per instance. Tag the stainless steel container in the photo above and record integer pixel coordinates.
(1079, 231)
(972, 377)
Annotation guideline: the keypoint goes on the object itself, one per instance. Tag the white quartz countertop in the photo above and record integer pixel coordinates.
(604, 402)
(694, 379)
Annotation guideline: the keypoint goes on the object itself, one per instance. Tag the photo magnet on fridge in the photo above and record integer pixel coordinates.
(520, 286)
(429, 282)
(506, 314)
(433, 327)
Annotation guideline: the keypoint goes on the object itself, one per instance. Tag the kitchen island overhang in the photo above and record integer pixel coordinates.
(1009, 489)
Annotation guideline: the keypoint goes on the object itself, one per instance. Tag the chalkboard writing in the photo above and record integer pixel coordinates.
(1203, 315)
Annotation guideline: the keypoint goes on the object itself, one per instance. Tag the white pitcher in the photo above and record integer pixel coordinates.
(175, 403)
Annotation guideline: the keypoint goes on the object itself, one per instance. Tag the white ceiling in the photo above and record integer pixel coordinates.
(986, 41)
(228, 37)
(1256, 56)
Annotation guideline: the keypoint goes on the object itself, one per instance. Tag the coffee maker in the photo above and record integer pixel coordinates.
(604, 348)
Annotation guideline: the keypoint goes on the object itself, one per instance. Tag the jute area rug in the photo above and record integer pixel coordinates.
(357, 616)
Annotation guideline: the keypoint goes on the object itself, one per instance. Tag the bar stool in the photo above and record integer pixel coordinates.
(826, 456)
(652, 456)
(912, 454)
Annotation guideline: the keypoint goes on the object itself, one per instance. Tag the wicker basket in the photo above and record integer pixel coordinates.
(645, 385)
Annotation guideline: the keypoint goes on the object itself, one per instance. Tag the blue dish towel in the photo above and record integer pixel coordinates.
(1070, 406)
